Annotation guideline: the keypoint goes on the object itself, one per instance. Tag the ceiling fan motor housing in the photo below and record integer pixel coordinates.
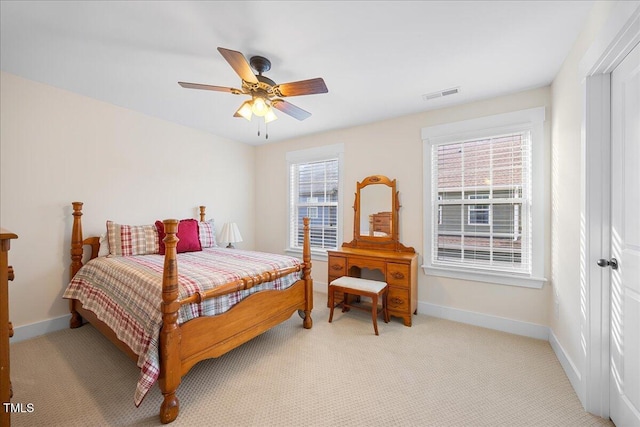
(264, 86)
(260, 64)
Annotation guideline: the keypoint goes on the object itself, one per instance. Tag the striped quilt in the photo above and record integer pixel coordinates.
(126, 293)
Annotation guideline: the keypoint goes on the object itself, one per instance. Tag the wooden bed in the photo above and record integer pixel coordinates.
(183, 345)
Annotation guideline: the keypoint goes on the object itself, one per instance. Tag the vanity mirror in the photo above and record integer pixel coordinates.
(375, 223)
(375, 211)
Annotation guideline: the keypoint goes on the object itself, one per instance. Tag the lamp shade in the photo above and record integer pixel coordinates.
(270, 116)
(230, 234)
(244, 110)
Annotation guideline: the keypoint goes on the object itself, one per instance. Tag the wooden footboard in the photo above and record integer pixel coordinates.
(182, 346)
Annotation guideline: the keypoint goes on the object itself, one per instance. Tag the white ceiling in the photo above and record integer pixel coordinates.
(377, 58)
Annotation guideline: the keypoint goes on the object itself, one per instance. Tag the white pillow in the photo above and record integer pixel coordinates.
(104, 245)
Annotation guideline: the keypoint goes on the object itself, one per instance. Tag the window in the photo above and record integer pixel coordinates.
(478, 214)
(492, 169)
(315, 192)
(484, 206)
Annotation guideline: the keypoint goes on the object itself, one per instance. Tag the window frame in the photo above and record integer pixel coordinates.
(311, 155)
(530, 119)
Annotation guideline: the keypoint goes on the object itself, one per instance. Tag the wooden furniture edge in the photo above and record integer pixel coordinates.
(6, 328)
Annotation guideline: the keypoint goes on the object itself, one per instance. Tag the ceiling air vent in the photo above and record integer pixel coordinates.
(441, 93)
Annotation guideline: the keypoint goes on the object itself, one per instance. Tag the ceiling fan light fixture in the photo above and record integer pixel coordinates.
(270, 116)
(244, 110)
(260, 106)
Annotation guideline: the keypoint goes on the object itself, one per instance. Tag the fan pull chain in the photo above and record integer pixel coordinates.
(266, 130)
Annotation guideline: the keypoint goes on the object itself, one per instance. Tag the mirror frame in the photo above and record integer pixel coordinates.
(392, 242)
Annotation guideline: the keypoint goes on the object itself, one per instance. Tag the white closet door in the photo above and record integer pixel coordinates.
(625, 242)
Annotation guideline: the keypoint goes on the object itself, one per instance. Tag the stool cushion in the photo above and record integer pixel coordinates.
(359, 284)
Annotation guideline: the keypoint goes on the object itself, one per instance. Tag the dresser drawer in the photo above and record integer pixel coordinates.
(398, 299)
(337, 267)
(398, 274)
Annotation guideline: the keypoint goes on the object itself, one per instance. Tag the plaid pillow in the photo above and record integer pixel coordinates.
(126, 240)
(208, 234)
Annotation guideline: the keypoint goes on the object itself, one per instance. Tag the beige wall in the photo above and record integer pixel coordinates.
(567, 96)
(58, 147)
(394, 148)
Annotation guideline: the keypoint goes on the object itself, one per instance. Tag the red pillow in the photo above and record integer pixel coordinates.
(188, 233)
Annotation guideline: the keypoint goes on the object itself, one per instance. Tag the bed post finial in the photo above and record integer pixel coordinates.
(203, 216)
(76, 239)
(170, 334)
(306, 275)
(76, 258)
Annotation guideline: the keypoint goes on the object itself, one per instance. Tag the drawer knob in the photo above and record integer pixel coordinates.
(397, 301)
(397, 275)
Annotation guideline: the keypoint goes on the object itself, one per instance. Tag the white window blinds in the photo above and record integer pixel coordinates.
(481, 203)
(314, 194)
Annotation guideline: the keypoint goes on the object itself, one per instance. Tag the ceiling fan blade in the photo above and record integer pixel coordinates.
(290, 109)
(208, 87)
(239, 63)
(303, 87)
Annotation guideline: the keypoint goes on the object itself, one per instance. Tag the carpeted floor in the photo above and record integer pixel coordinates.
(436, 373)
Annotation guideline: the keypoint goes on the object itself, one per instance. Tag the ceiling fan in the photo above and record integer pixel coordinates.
(265, 93)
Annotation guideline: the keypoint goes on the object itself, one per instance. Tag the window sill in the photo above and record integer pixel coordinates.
(487, 277)
(316, 255)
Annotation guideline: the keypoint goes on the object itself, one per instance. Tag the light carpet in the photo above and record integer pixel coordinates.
(435, 373)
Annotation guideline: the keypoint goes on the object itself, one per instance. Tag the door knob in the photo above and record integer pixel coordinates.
(604, 263)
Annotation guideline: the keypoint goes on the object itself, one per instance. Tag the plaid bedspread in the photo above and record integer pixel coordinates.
(126, 293)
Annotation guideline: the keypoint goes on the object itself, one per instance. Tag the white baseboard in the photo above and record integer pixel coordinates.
(569, 368)
(485, 320)
(33, 330)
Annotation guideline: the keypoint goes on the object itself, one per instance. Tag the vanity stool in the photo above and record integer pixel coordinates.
(356, 286)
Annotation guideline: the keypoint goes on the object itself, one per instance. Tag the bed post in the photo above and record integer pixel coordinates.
(170, 366)
(76, 259)
(203, 216)
(306, 272)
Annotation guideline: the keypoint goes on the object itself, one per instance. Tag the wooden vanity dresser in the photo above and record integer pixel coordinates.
(400, 270)
(383, 252)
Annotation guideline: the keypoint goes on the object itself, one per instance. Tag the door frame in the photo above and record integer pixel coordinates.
(616, 39)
